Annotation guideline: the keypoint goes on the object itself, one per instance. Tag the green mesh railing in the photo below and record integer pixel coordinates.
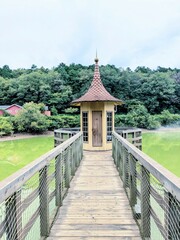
(30, 198)
(153, 192)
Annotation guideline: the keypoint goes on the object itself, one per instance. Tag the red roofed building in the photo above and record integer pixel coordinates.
(11, 109)
(97, 114)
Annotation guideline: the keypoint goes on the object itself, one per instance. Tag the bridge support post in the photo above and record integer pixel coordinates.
(58, 180)
(44, 201)
(145, 202)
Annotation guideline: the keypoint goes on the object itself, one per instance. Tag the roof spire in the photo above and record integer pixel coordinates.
(97, 92)
(96, 59)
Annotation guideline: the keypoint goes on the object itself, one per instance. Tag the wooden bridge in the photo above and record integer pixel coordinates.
(123, 194)
(96, 204)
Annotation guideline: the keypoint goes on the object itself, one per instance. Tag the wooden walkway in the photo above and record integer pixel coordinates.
(96, 206)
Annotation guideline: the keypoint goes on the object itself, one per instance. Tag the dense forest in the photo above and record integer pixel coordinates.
(151, 92)
(157, 90)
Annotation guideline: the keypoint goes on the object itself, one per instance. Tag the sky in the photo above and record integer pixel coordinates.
(125, 33)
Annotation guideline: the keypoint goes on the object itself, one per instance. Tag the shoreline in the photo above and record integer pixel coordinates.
(18, 136)
(162, 129)
(51, 133)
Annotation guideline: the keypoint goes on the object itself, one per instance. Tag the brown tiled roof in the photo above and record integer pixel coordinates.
(97, 92)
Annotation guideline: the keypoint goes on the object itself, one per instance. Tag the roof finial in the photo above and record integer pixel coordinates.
(96, 59)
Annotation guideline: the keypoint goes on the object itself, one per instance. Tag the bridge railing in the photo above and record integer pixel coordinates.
(62, 134)
(153, 192)
(30, 198)
(133, 135)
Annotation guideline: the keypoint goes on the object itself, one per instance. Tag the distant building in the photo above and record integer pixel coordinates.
(11, 109)
(14, 109)
(47, 112)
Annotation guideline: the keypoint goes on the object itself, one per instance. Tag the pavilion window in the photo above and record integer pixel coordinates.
(85, 126)
(109, 126)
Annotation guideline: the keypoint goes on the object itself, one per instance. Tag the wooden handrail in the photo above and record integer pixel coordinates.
(12, 183)
(165, 177)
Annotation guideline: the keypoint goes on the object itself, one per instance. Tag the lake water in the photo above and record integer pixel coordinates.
(18, 153)
(164, 147)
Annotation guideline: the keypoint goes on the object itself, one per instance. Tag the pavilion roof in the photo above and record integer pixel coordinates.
(97, 91)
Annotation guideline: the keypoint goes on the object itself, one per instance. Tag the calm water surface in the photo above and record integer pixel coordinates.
(164, 147)
(16, 154)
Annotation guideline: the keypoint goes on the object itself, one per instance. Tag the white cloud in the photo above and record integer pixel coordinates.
(126, 33)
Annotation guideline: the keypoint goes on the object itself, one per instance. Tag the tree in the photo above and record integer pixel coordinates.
(6, 72)
(30, 119)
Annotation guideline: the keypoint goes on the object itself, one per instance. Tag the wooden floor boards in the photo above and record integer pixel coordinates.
(96, 207)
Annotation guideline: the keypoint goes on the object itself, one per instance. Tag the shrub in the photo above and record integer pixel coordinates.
(64, 121)
(137, 117)
(166, 118)
(6, 127)
(120, 120)
(30, 119)
(152, 123)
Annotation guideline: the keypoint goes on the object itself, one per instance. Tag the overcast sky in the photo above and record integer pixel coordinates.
(126, 33)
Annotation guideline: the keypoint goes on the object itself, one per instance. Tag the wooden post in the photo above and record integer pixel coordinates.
(14, 216)
(120, 160)
(75, 154)
(145, 203)
(58, 181)
(115, 159)
(81, 146)
(72, 160)
(67, 169)
(172, 219)
(113, 139)
(133, 185)
(44, 201)
(118, 155)
(124, 168)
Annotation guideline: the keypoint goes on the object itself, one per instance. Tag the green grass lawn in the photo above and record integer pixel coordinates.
(17, 153)
(164, 147)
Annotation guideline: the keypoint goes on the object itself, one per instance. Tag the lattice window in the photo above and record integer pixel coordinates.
(109, 126)
(85, 126)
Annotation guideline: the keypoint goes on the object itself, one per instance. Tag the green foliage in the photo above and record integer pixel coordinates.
(64, 121)
(54, 111)
(6, 126)
(157, 90)
(138, 116)
(152, 123)
(71, 110)
(166, 118)
(30, 119)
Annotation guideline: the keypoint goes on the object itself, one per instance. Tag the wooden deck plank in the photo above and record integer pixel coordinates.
(95, 238)
(96, 207)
